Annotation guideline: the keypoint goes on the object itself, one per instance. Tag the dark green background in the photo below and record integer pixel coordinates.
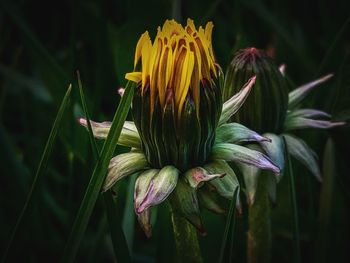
(43, 43)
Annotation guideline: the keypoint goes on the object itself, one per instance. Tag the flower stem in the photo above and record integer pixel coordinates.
(259, 234)
(186, 240)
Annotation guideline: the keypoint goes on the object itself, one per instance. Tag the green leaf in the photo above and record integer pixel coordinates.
(237, 133)
(303, 153)
(129, 136)
(184, 202)
(231, 106)
(296, 96)
(226, 185)
(41, 167)
(120, 247)
(123, 165)
(87, 116)
(236, 153)
(274, 149)
(98, 177)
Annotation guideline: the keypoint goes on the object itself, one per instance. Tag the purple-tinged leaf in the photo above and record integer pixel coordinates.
(129, 135)
(226, 185)
(141, 186)
(231, 106)
(274, 149)
(197, 176)
(237, 133)
(237, 153)
(123, 165)
(297, 95)
(308, 113)
(297, 123)
(159, 188)
(303, 153)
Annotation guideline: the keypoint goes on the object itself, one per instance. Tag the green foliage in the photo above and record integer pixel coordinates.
(42, 45)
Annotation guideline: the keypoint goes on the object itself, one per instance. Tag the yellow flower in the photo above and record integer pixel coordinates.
(175, 63)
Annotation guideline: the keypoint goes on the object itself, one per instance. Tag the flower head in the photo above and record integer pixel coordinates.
(177, 103)
(275, 113)
(180, 141)
(266, 107)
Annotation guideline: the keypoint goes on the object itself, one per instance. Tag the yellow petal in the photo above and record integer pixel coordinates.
(134, 76)
(144, 37)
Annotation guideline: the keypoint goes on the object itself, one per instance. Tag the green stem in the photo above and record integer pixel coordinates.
(259, 234)
(186, 240)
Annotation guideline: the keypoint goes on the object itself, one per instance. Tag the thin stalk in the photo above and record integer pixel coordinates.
(259, 233)
(98, 177)
(296, 245)
(41, 168)
(186, 240)
(231, 220)
(120, 247)
(121, 250)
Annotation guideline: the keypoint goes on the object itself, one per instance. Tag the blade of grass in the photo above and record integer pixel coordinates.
(296, 245)
(98, 176)
(41, 168)
(117, 234)
(87, 116)
(231, 220)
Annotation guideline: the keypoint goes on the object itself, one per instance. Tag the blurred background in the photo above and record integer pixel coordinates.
(43, 43)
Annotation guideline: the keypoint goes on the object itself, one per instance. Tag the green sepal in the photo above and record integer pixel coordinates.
(226, 185)
(169, 131)
(208, 200)
(184, 201)
(156, 135)
(187, 127)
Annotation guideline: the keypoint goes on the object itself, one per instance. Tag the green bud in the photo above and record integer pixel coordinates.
(266, 107)
(183, 140)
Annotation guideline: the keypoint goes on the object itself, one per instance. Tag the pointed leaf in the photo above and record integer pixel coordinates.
(141, 186)
(302, 152)
(98, 177)
(226, 185)
(250, 175)
(184, 201)
(231, 106)
(237, 133)
(308, 113)
(123, 165)
(129, 136)
(296, 123)
(197, 176)
(160, 187)
(274, 149)
(297, 95)
(237, 153)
